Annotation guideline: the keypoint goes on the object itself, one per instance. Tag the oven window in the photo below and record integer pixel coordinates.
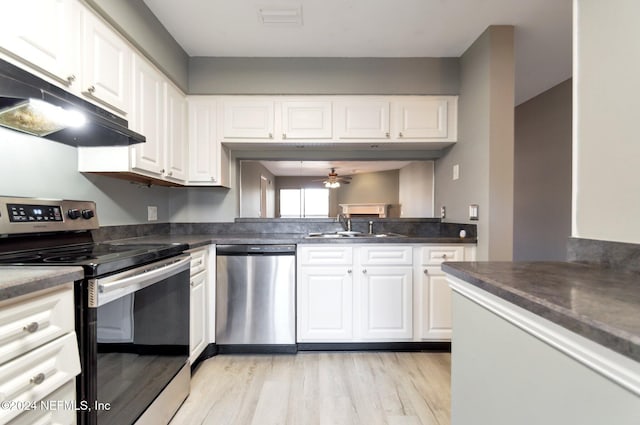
(142, 343)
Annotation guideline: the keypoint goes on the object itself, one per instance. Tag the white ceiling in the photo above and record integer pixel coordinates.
(322, 168)
(379, 28)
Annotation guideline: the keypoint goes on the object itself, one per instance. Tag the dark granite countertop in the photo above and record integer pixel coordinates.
(196, 241)
(598, 303)
(21, 280)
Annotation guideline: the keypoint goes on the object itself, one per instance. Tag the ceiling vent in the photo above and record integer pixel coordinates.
(280, 15)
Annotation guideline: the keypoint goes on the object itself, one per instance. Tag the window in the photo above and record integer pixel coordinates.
(304, 203)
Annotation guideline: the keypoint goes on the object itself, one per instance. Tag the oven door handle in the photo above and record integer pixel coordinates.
(122, 284)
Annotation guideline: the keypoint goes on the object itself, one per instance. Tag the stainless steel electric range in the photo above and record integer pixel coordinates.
(132, 308)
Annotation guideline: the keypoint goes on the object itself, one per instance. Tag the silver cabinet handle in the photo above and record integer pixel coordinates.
(270, 135)
(364, 271)
(426, 271)
(387, 135)
(444, 256)
(400, 134)
(91, 89)
(170, 173)
(31, 327)
(284, 135)
(38, 379)
(71, 78)
(213, 179)
(162, 171)
(349, 271)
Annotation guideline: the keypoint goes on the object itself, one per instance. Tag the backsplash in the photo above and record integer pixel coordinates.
(420, 227)
(618, 255)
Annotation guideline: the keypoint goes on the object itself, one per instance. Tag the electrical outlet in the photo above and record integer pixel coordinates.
(456, 172)
(443, 212)
(152, 213)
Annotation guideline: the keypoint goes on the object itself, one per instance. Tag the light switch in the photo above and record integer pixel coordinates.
(473, 212)
(456, 171)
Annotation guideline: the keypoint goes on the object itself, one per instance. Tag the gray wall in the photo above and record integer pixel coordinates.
(251, 173)
(542, 176)
(323, 75)
(415, 189)
(484, 151)
(134, 20)
(379, 187)
(35, 167)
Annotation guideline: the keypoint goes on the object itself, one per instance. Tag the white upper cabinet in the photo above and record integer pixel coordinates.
(176, 143)
(203, 143)
(248, 119)
(362, 119)
(429, 117)
(405, 121)
(106, 73)
(306, 120)
(43, 33)
(148, 117)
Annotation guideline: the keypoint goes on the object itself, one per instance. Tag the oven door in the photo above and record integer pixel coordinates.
(139, 340)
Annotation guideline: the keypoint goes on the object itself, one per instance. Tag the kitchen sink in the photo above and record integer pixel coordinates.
(354, 235)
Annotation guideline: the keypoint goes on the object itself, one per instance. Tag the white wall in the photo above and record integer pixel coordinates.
(606, 149)
(415, 189)
(40, 168)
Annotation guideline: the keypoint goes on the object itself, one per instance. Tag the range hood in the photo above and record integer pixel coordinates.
(24, 99)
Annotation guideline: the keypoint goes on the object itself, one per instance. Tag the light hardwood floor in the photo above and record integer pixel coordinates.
(327, 388)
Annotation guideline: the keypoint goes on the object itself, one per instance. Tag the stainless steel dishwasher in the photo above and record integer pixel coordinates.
(255, 298)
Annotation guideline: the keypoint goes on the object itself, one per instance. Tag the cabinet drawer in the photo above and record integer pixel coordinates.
(28, 324)
(439, 254)
(61, 412)
(386, 255)
(36, 374)
(198, 261)
(325, 255)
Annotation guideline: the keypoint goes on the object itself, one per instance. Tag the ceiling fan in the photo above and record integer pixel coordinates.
(333, 180)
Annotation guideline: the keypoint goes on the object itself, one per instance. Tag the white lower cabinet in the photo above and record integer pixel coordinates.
(40, 357)
(434, 303)
(375, 292)
(386, 295)
(201, 288)
(354, 293)
(325, 303)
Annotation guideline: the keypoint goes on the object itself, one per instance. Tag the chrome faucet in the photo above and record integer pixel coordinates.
(345, 221)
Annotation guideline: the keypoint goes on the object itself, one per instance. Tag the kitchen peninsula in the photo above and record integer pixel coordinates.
(559, 343)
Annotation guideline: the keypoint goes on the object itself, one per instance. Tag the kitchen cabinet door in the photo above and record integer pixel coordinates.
(106, 75)
(429, 118)
(306, 120)
(176, 145)
(248, 119)
(148, 118)
(197, 320)
(204, 147)
(436, 299)
(386, 302)
(365, 119)
(48, 41)
(325, 304)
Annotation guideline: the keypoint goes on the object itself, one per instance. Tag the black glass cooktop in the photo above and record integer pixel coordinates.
(96, 258)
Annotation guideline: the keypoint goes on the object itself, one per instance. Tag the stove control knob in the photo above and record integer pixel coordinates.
(73, 213)
(87, 214)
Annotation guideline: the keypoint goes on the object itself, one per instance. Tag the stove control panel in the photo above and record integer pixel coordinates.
(21, 213)
(32, 215)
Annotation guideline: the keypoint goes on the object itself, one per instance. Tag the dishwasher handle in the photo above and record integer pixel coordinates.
(245, 250)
